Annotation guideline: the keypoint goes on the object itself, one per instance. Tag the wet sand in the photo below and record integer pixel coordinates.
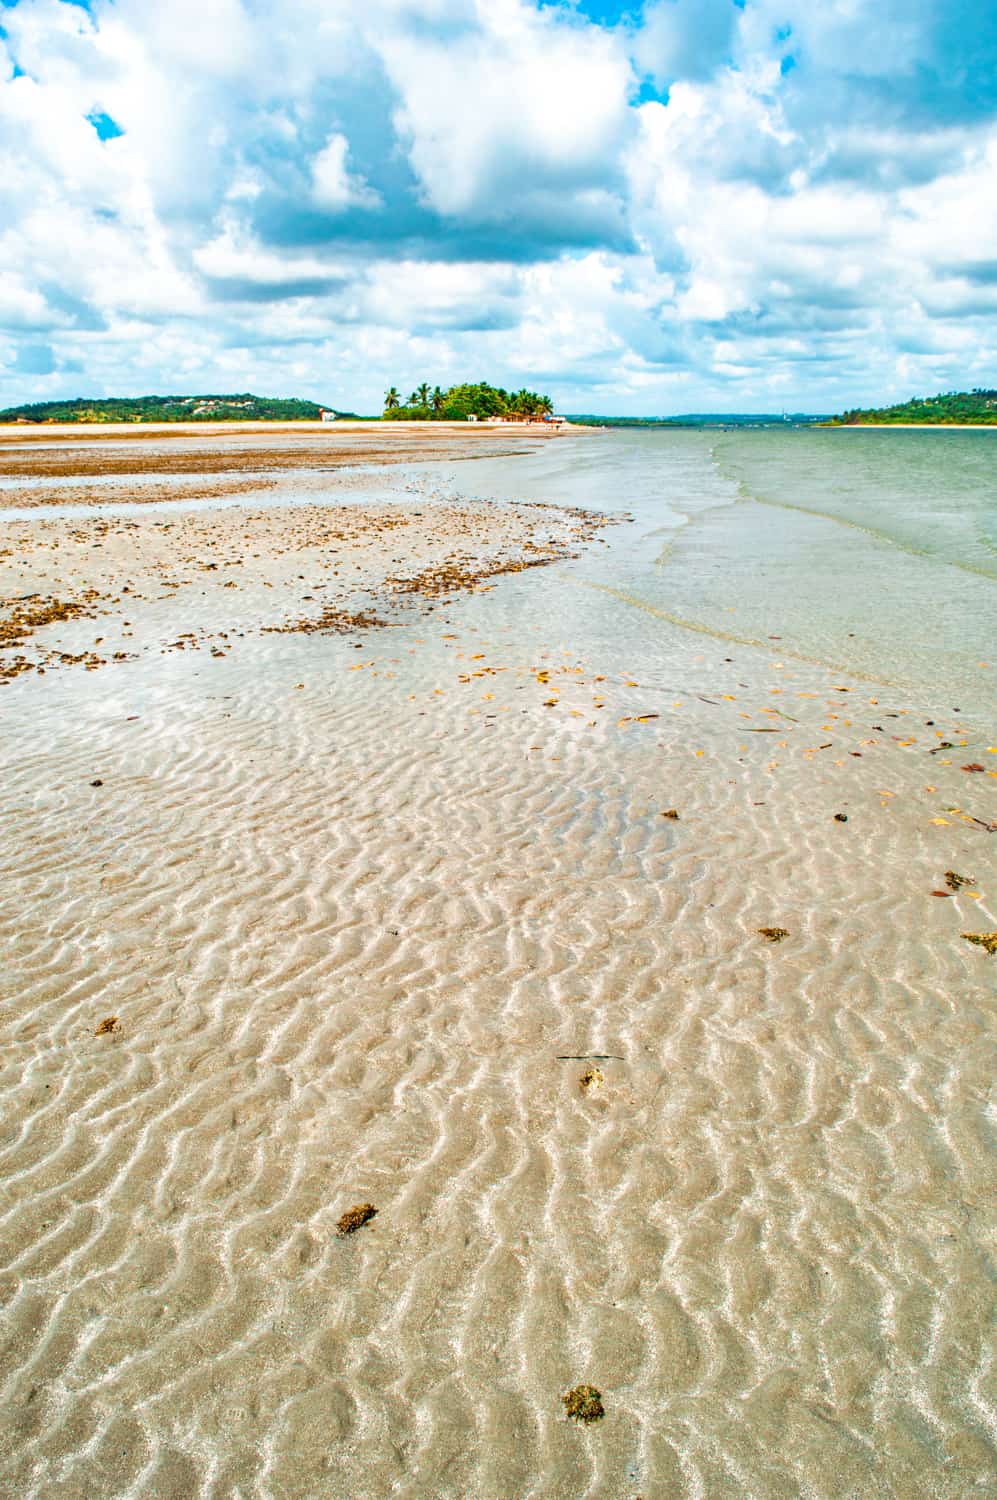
(452, 916)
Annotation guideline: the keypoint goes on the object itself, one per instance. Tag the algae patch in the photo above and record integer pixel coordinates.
(584, 1403)
(985, 940)
(355, 1218)
(774, 934)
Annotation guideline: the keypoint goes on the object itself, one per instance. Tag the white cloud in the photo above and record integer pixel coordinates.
(335, 188)
(441, 188)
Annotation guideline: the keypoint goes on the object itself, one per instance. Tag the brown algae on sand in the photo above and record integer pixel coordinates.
(591, 1079)
(774, 934)
(584, 1403)
(985, 940)
(956, 882)
(106, 1026)
(355, 1218)
(672, 813)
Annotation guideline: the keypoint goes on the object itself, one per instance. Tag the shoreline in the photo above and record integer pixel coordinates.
(17, 431)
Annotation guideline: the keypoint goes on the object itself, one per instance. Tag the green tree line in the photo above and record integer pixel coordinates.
(951, 409)
(243, 407)
(458, 402)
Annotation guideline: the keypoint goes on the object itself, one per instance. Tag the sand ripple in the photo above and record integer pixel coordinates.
(346, 945)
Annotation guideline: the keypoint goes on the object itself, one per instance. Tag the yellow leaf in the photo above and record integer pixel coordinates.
(939, 820)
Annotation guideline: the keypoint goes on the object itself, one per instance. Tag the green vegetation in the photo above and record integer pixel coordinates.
(240, 408)
(462, 401)
(953, 409)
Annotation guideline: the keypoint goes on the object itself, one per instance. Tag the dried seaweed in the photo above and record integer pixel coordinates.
(355, 1218)
(584, 1403)
(985, 940)
(106, 1026)
(955, 882)
(774, 934)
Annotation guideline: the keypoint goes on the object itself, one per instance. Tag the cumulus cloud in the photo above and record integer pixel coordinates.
(647, 207)
(333, 186)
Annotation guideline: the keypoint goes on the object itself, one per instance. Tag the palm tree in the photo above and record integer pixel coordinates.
(545, 406)
(392, 400)
(422, 391)
(439, 400)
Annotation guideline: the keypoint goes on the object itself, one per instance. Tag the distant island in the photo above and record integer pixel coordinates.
(953, 409)
(239, 408)
(458, 403)
(701, 419)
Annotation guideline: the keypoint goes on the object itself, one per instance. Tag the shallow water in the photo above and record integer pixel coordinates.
(866, 551)
(363, 915)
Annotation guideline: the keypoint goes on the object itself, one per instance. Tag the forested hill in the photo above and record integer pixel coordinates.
(241, 408)
(955, 408)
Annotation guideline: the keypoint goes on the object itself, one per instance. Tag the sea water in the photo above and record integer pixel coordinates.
(867, 551)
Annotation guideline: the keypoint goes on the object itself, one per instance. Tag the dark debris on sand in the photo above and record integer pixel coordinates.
(355, 1218)
(584, 1403)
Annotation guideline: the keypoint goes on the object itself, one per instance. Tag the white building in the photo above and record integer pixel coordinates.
(328, 416)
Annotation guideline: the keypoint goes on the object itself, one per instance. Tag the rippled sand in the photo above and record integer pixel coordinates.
(408, 925)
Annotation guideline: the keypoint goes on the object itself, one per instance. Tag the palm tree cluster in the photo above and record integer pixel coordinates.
(458, 402)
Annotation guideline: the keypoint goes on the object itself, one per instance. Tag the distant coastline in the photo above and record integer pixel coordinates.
(976, 408)
(916, 426)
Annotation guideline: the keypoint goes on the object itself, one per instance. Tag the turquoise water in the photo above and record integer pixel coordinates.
(870, 552)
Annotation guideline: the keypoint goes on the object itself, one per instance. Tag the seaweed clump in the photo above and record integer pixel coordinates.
(774, 934)
(355, 1218)
(956, 882)
(106, 1026)
(985, 940)
(592, 1078)
(584, 1404)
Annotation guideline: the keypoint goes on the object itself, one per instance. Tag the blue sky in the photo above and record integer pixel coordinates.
(663, 206)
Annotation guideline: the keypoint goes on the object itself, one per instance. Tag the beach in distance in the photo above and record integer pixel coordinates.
(499, 937)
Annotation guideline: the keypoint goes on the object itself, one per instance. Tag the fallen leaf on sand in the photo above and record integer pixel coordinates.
(672, 813)
(107, 1025)
(955, 882)
(974, 766)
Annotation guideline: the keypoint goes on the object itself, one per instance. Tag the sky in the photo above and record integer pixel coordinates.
(658, 207)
